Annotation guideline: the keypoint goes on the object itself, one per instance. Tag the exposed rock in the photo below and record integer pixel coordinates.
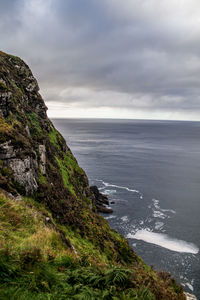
(11, 196)
(27, 130)
(42, 152)
(99, 197)
(24, 172)
(104, 209)
(100, 200)
(5, 100)
(31, 87)
(190, 296)
(18, 198)
(7, 151)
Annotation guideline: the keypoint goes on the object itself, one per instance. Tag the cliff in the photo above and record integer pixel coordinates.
(53, 244)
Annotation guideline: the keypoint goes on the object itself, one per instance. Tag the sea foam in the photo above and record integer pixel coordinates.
(124, 218)
(164, 241)
(106, 184)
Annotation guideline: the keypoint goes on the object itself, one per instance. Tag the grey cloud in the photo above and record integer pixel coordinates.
(146, 52)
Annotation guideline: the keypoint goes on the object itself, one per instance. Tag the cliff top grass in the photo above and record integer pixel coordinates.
(35, 263)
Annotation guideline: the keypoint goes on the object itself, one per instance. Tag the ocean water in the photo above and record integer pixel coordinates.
(151, 170)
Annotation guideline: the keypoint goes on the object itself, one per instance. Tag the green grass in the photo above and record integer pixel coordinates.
(35, 125)
(71, 174)
(35, 263)
(41, 178)
(53, 136)
(65, 175)
(64, 279)
(71, 162)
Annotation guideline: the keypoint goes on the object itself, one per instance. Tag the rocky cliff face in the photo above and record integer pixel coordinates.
(38, 168)
(35, 159)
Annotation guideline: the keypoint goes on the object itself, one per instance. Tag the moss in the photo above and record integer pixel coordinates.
(5, 127)
(53, 136)
(3, 86)
(87, 200)
(65, 176)
(42, 179)
(18, 187)
(18, 91)
(15, 59)
(36, 130)
(71, 162)
(6, 171)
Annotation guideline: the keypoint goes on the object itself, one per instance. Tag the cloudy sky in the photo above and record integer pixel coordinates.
(109, 58)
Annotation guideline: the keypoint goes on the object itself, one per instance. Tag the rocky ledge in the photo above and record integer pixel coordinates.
(100, 200)
(190, 296)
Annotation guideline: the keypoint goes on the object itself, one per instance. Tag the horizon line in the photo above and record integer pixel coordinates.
(127, 119)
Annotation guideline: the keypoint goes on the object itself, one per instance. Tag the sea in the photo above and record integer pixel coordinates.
(150, 170)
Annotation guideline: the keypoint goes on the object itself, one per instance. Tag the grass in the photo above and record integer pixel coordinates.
(35, 263)
(71, 162)
(5, 128)
(53, 136)
(35, 125)
(65, 175)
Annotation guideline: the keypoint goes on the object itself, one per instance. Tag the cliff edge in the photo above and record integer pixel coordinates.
(53, 244)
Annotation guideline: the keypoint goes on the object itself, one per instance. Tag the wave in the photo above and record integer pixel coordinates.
(157, 206)
(124, 218)
(189, 286)
(106, 184)
(159, 225)
(159, 214)
(109, 192)
(109, 217)
(164, 241)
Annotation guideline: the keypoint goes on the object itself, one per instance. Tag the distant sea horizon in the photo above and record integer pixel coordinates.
(150, 169)
(121, 119)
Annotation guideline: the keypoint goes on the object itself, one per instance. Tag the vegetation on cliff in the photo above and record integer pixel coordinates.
(53, 244)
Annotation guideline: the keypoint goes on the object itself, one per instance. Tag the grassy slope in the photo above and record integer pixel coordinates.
(35, 263)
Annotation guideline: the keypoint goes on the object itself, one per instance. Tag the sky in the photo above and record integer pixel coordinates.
(109, 58)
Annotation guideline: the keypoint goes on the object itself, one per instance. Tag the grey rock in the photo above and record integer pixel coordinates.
(42, 152)
(18, 198)
(5, 100)
(24, 172)
(32, 85)
(7, 151)
(27, 130)
(190, 296)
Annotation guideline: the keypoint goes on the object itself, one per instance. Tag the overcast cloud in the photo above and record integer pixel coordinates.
(109, 58)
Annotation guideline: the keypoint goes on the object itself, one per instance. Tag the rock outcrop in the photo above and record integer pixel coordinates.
(190, 296)
(101, 201)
